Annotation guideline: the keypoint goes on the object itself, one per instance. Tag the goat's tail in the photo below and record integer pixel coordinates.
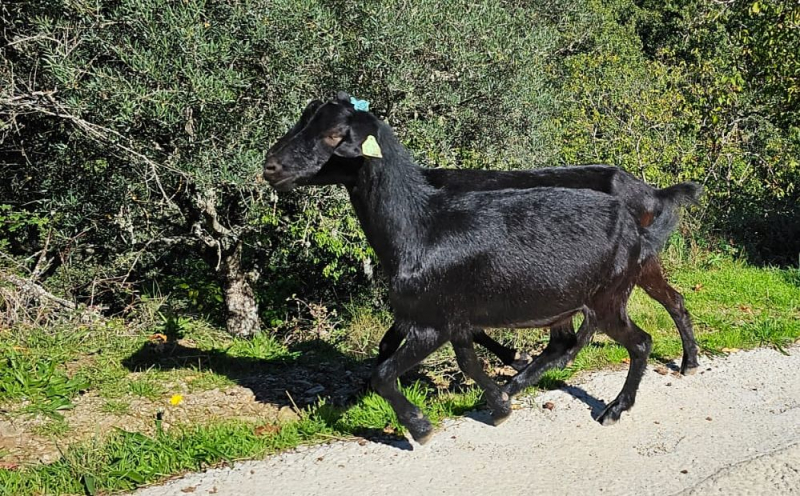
(671, 200)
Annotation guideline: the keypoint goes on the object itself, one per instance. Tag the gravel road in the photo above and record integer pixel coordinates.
(733, 428)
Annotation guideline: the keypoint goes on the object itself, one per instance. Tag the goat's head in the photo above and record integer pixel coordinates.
(324, 147)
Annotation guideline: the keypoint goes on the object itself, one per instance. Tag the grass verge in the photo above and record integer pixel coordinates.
(126, 460)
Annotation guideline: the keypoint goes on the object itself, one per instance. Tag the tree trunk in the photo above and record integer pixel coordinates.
(240, 299)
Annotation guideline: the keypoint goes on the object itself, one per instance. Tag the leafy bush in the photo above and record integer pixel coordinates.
(137, 128)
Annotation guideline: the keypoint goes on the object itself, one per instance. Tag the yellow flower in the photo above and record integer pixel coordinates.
(176, 400)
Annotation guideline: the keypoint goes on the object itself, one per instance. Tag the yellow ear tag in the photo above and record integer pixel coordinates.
(371, 148)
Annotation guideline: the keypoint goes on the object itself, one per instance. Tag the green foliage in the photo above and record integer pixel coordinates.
(738, 64)
(135, 141)
(769, 40)
(18, 227)
(38, 381)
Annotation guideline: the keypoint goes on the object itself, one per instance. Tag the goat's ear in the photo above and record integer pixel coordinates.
(348, 148)
(343, 97)
(310, 110)
(361, 131)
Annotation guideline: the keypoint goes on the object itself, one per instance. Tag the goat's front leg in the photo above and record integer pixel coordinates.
(390, 342)
(420, 342)
(638, 343)
(498, 401)
(562, 349)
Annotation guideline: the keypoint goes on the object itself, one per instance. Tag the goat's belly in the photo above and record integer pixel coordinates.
(485, 310)
(496, 290)
(542, 313)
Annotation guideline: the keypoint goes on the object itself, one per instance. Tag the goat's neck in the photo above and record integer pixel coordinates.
(392, 200)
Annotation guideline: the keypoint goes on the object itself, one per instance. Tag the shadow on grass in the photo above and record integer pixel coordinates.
(310, 370)
(315, 370)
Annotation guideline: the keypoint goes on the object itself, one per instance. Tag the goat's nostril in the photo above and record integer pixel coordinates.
(272, 166)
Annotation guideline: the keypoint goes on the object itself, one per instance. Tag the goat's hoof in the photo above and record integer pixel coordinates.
(422, 441)
(500, 417)
(421, 430)
(689, 368)
(521, 360)
(501, 409)
(611, 414)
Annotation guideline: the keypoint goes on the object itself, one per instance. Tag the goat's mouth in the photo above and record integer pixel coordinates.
(287, 182)
(284, 184)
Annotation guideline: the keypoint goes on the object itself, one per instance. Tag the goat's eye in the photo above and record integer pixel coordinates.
(333, 139)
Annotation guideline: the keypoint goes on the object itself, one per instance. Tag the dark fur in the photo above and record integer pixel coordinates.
(457, 261)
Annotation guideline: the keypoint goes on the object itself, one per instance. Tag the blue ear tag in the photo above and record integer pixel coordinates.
(362, 105)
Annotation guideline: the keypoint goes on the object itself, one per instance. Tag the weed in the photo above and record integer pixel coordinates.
(116, 407)
(40, 382)
(54, 427)
(262, 346)
(146, 387)
(365, 329)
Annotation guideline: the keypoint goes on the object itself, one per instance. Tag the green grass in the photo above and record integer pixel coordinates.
(127, 460)
(39, 381)
(42, 371)
(146, 387)
(116, 407)
(260, 347)
(52, 428)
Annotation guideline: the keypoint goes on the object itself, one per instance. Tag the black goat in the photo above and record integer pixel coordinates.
(460, 261)
(641, 199)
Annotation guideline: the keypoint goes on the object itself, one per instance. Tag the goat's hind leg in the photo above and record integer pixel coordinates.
(638, 343)
(518, 360)
(562, 349)
(420, 342)
(509, 356)
(498, 401)
(652, 280)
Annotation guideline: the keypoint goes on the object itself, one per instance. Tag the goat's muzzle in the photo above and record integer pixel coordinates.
(272, 169)
(277, 177)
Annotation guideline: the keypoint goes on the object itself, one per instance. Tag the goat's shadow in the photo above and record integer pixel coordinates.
(312, 371)
(597, 405)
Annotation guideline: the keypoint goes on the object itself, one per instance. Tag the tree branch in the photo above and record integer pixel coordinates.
(44, 102)
(37, 291)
